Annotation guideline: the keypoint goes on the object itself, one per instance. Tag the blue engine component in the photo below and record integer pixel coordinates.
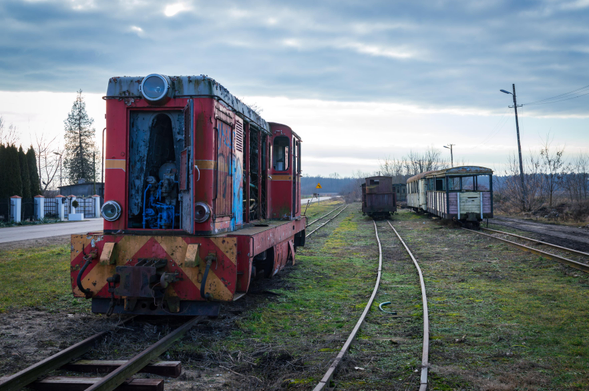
(159, 210)
(156, 214)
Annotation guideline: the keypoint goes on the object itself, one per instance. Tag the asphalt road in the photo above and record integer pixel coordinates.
(28, 232)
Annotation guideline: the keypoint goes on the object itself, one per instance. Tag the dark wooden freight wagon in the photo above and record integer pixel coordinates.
(378, 197)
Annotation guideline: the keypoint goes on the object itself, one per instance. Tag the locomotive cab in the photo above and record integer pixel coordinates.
(285, 173)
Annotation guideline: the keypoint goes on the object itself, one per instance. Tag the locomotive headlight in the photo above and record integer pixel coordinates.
(202, 212)
(111, 210)
(155, 87)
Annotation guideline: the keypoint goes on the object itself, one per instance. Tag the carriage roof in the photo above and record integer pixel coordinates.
(454, 171)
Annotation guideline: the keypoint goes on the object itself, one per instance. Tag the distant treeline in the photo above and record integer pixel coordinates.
(343, 185)
(328, 185)
(18, 172)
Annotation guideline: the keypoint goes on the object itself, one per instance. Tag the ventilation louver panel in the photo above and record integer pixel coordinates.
(239, 136)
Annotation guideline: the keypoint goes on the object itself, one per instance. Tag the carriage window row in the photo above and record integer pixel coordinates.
(465, 183)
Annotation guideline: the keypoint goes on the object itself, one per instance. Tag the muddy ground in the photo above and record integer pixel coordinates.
(30, 335)
(561, 235)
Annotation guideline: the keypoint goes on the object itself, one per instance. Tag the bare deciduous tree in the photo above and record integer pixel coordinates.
(552, 164)
(412, 164)
(48, 160)
(576, 179)
(8, 133)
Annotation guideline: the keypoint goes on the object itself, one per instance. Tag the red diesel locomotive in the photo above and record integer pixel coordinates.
(201, 195)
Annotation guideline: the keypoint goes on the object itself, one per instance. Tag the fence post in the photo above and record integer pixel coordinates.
(15, 208)
(96, 198)
(39, 207)
(76, 216)
(60, 207)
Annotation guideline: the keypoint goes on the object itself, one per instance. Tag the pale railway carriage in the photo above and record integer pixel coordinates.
(461, 193)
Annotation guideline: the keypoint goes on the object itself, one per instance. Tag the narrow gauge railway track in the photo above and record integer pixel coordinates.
(326, 380)
(325, 215)
(121, 372)
(326, 222)
(569, 262)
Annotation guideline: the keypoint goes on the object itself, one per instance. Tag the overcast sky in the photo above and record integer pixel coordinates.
(360, 81)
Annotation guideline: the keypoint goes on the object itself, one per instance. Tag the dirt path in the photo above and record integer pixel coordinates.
(562, 235)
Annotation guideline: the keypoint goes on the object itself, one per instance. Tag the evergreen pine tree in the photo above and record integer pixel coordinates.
(33, 172)
(12, 179)
(79, 143)
(24, 174)
(3, 173)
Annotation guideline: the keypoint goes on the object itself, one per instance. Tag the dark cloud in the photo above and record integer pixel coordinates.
(430, 53)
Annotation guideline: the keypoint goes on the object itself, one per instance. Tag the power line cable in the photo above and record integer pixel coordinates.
(496, 128)
(556, 98)
(560, 100)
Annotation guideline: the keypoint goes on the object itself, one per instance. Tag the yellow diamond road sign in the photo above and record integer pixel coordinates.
(318, 186)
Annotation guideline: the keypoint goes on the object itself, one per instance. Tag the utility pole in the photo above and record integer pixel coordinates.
(519, 147)
(449, 146)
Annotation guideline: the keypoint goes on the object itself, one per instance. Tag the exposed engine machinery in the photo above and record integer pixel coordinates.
(159, 199)
(202, 195)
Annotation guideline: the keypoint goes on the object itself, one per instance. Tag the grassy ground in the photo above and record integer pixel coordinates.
(37, 278)
(501, 319)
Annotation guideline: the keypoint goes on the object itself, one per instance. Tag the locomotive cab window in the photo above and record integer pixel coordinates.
(281, 153)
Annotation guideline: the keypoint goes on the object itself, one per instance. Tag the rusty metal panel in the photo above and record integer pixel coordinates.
(135, 281)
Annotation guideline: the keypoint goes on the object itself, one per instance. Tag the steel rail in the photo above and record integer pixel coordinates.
(134, 365)
(333, 217)
(425, 350)
(569, 262)
(32, 373)
(325, 215)
(329, 374)
(538, 241)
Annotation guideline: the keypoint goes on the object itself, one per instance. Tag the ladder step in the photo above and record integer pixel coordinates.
(64, 383)
(161, 368)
